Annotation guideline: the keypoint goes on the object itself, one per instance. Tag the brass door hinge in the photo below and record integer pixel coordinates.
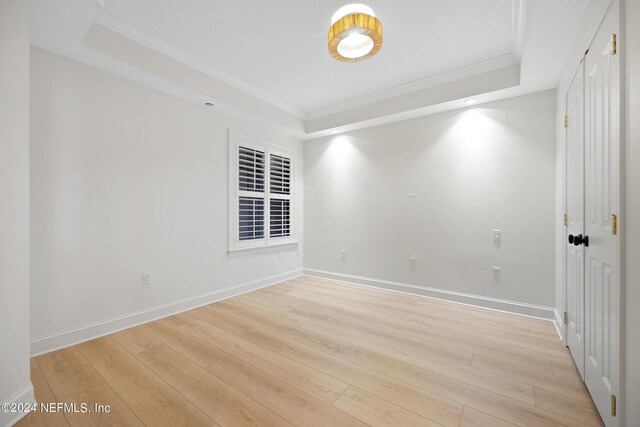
(566, 318)
(613, 405)
(566, 121)
(614, 224)
(566, 219)
(614, 44)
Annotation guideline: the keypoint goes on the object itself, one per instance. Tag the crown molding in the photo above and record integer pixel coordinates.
(114, 24)
(417, 85)
(512, 58)
(191, 83)
(420, 101)
(491, 64)
(310, 121)
(266, 124)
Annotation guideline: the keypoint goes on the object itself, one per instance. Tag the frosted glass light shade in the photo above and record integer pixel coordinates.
(355, 46)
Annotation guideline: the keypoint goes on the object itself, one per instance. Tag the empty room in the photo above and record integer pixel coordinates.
(320, 213)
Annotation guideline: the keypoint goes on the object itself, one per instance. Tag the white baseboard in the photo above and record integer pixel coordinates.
(513, 307)
(24, 395)
(559, 324)
(69, 337)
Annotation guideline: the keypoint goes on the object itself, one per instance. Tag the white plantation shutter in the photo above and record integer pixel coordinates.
(280, 221)
(251, 224)
(280, 189)
(251, 193)
(261, 194)
(251, 169)
(280, 174)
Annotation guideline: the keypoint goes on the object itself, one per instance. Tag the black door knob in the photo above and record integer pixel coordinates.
(571, 239)
(581, 240)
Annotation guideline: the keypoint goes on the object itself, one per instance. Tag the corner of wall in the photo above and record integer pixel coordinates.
(512, 307)
(23, 398)
(73, 336)
(15, 384)
(559, 324)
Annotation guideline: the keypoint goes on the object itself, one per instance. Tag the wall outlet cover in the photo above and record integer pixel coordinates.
(146, 279)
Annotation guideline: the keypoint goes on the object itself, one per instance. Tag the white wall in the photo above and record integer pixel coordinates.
(631, 48)
(125, 180)
(15, 384)
(474, 170)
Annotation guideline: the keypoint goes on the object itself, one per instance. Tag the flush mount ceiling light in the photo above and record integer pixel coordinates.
(355, 33)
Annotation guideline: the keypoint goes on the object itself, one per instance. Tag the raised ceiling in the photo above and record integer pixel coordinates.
(276, 50)
(280, 46)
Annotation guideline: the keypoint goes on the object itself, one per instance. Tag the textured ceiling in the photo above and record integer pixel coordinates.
(276, 49)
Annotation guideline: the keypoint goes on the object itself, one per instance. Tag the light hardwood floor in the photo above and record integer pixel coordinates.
(313, 352)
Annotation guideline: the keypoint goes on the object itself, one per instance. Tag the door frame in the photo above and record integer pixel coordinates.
(565, 197)
(565, 258)
(622, 194)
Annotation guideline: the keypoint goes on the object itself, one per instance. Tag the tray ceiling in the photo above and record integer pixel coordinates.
(276, 50)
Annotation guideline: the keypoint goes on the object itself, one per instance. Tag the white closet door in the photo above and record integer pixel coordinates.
(575, 216)
(602, 200)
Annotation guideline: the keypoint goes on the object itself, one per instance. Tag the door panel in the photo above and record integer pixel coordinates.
(602, 192)
(575, 214)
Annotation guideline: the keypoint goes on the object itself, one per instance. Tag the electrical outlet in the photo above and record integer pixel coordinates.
(146, 279)
(413, 262)
(343, 256)
(497, 238)
(280, 256)
(497, 275)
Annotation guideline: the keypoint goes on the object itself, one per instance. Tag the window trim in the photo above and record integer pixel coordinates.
(237, 139)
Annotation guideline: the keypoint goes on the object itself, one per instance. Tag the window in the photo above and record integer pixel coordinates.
(261, 194)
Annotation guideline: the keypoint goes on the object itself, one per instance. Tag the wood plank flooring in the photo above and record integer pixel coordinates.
(314, 352)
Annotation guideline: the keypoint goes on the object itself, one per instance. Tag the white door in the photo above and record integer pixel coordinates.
(602, 201)
(575, 219)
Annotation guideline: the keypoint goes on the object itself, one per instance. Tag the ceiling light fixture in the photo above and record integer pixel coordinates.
(355, 33)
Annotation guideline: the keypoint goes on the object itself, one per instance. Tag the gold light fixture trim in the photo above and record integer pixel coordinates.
(355, 24)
